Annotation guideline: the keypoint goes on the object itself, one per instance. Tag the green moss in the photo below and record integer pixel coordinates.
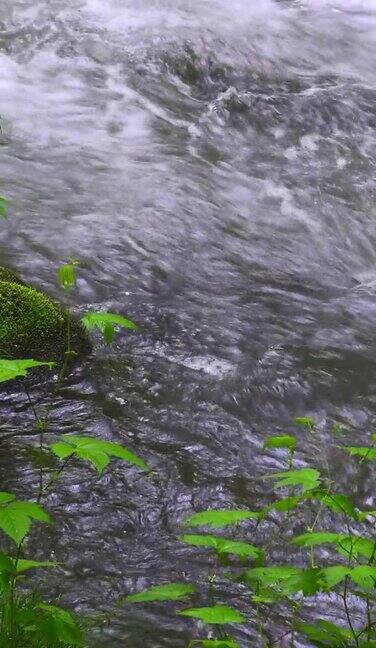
(32, 325)
(6, 274)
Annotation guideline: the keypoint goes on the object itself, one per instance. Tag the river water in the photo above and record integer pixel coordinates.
(212, 166)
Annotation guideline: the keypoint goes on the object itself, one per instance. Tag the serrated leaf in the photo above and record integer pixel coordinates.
(218, 518)
(10, 369)
(96, 449)
(31, 509)
(285, 504)
(218, 614)
(168, 592)
(334, 575)
(223, 545)
(349, 546)
(282, 580)
(338, 503)
(361, 451)
(121, 452)
(98, 459)
(354, 546)
(286, 441)
(309, 581)
(286, 580)
(311, 539)
(57, 624)
(364, 575)
(16, 517)
(62, 450)
(267, 576)
(107, 323)
(15, 525)
(307, 478)
(324, 633)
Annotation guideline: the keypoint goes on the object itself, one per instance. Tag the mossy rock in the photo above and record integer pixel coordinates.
(6, 274)
(32, 325)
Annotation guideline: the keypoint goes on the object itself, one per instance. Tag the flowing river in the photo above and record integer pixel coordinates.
(211, 164)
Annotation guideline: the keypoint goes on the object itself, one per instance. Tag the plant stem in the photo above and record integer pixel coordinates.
(347, 611)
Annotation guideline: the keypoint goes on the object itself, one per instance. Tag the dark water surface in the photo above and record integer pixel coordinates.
(212, 165)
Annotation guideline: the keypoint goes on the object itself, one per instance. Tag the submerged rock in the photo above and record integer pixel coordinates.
(32, 325)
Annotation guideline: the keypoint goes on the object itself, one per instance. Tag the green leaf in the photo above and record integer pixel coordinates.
(274, 582)
(16, 517)
(168, 592)
(223, 546)
(214, 643)
(6, 563)
(5, 498)
(324, 633)
(31, 509)
(355, 546)
(286, 441)
(68, 275)
(218, 614)
(334, 575)
(364, 515)
(15, 525)
(25, 564)
(121, 452)
(361, 451)
(217, 518)
(285, 504)
(349, 546)
(107, 323)
(3, 207)
(307, 478)
(312, 539)
(338, 503)
(96, 451)
(62, 450)
(98, 459)
(57, 624)
(287, 580)
(309, 581)
(10, 369)
(306, 421)
(270, 575)
(364, 575)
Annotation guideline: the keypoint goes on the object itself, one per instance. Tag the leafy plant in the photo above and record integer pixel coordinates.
(223, 546)
(217, 518)
(169, 592)
(3, 207)
(96, 451)
(26, 621)
(346, 570)
(335, 555)
(10, 369)
(107, 323)
(217, 614)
